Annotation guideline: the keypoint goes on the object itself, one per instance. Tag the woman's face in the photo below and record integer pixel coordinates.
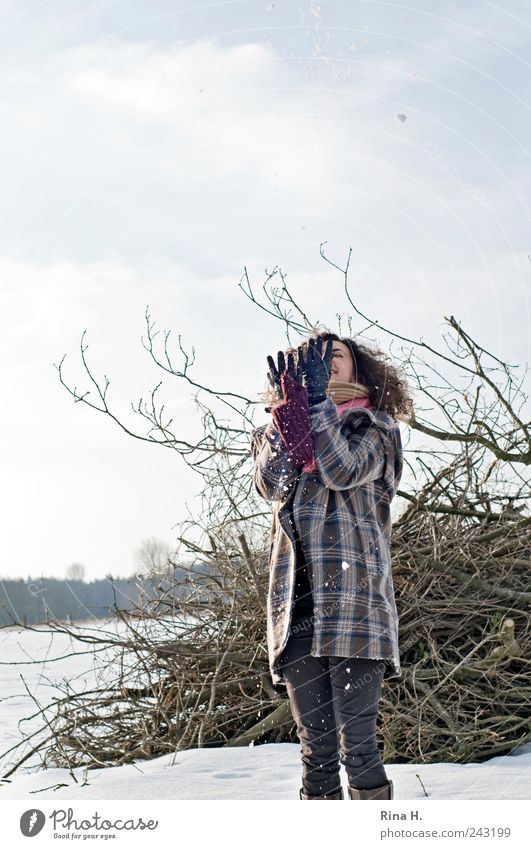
(342, 366)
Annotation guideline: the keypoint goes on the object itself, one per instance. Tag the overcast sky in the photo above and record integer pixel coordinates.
(152, 150)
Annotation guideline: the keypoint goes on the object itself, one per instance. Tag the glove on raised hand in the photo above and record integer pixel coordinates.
(292, 418)
(316, 369)
(275, 373)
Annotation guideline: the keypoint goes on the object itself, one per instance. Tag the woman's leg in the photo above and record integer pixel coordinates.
(308, 686)
(356, 686)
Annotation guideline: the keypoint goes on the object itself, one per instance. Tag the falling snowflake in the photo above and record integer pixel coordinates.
(345, 565)
(402, 117)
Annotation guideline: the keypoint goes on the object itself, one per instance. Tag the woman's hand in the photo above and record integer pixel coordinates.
(275, 372)
(316, 369)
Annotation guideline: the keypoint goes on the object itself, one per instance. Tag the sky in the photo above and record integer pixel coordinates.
(153, 151)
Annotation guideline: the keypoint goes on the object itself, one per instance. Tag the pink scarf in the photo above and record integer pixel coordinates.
(309, 466)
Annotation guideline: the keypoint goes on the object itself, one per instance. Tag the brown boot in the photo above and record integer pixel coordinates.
(337, 795)
(379, 793)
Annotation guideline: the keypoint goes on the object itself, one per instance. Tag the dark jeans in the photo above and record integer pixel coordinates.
(334, 702)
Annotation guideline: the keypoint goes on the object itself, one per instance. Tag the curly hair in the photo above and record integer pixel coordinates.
(385, 382)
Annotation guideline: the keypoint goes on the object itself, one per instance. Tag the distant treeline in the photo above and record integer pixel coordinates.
(34, 600)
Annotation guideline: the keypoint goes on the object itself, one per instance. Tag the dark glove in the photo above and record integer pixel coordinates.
(275, 373)
(316, 369)
(292, 418)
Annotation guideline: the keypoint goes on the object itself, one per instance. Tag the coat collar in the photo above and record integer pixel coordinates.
(378, 417)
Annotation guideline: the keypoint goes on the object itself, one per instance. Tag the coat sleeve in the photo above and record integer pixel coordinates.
(274, 472)
(347, 460)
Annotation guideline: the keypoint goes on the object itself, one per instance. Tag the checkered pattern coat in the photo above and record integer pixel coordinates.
(341, 512)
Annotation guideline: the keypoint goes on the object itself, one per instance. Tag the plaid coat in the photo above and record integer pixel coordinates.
(341, 513)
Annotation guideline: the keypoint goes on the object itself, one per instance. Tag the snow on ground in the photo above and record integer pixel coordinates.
(25, 667)
(270, 771)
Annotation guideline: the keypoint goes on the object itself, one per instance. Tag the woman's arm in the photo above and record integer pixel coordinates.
(274, 471)
(353, 460)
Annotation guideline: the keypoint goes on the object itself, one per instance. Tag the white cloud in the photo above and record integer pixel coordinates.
(229, 105)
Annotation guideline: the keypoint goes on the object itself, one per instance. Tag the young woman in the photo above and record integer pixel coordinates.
(331, 462)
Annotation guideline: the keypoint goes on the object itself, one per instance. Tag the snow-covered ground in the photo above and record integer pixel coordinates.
(270, 771)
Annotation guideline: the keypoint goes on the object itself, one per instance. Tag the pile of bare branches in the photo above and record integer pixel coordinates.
(190, 669)
(176, 674)
(461, 575)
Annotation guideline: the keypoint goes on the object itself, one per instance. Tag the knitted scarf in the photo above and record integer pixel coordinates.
(340, 391)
